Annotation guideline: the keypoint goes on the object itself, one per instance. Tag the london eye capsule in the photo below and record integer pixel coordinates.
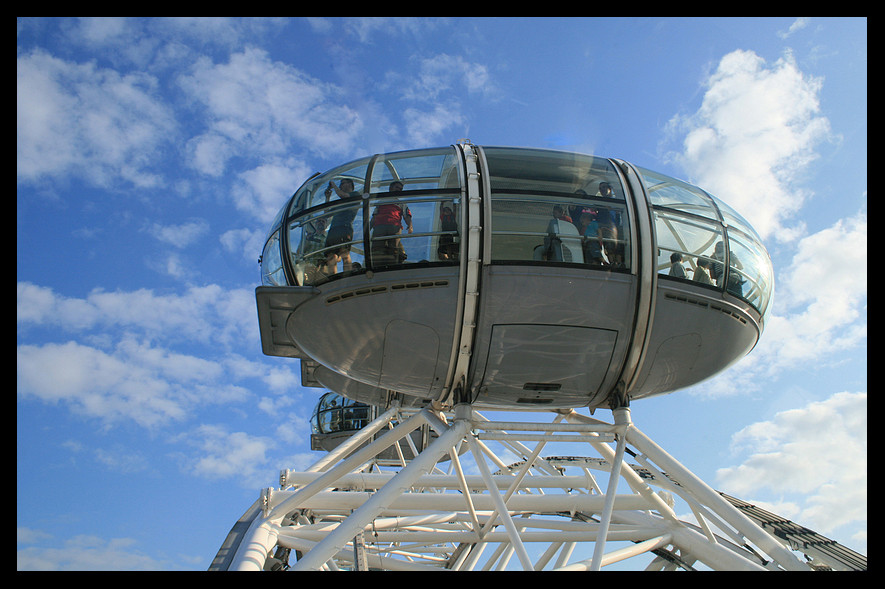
(336, 418)
(508, 277)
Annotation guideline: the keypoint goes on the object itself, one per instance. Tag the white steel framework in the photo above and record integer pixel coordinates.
(489, 495)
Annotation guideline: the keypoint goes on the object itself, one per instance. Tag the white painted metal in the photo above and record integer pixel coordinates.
(468, 297)
(525, 495)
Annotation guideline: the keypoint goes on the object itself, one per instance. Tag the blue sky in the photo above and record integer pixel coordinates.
(152, 155)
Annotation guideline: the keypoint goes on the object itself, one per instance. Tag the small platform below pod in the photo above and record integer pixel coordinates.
(336, 418)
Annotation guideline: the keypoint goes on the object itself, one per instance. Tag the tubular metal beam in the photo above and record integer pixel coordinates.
(445, 510)
(372, 508)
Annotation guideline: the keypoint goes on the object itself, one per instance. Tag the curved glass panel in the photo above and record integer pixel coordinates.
(272, 273)
(669, 192)
(686, 246)
(278, 219)
(322, 188)
(550, 206)
(513, 168)
(410, 221)
(750, 274)
(690, 248)
(335, 413)
(733, 219)
(330, 241)
(426, 169)
(546, 206)
(327, 241)
(410, 216)
(413, 229)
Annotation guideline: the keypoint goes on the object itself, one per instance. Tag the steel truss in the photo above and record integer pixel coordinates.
(488, 495)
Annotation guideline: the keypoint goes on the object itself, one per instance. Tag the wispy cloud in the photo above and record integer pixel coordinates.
(423, 127)
(261, 191)
(797, 25)
(442, 74)
(754, 134)
(179, 235)
(123, 364)
(821, 297)
(115, 125)
(82, 553)
(223, 454)
(257, 108)
(819, 450)
(147, 385)
(367, 29)
(200, 314)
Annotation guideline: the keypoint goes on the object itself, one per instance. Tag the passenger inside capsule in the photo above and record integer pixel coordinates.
(341, 228)
(387, 224)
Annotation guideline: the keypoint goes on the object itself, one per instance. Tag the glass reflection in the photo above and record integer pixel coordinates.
(550, 206)
(272, 273)
(335, 413)
(327, 242)
(686, 246)
(322, 188)
(671, 193)
(426, 169)
(386, 211)
(750, 270)
(692, 248)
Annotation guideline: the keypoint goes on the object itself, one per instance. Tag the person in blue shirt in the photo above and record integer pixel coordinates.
(593, 250)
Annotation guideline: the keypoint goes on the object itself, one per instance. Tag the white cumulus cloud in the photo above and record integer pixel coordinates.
(819, 450)
(755, 131)
(93, 123)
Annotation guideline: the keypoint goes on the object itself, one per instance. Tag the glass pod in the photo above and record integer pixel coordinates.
(509, 277)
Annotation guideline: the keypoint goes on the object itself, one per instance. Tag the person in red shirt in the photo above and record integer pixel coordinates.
(387, 221)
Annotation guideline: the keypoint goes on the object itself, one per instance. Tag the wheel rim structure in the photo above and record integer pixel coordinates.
(504, 495)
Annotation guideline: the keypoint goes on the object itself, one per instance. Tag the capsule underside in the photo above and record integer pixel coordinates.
(530, 278)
